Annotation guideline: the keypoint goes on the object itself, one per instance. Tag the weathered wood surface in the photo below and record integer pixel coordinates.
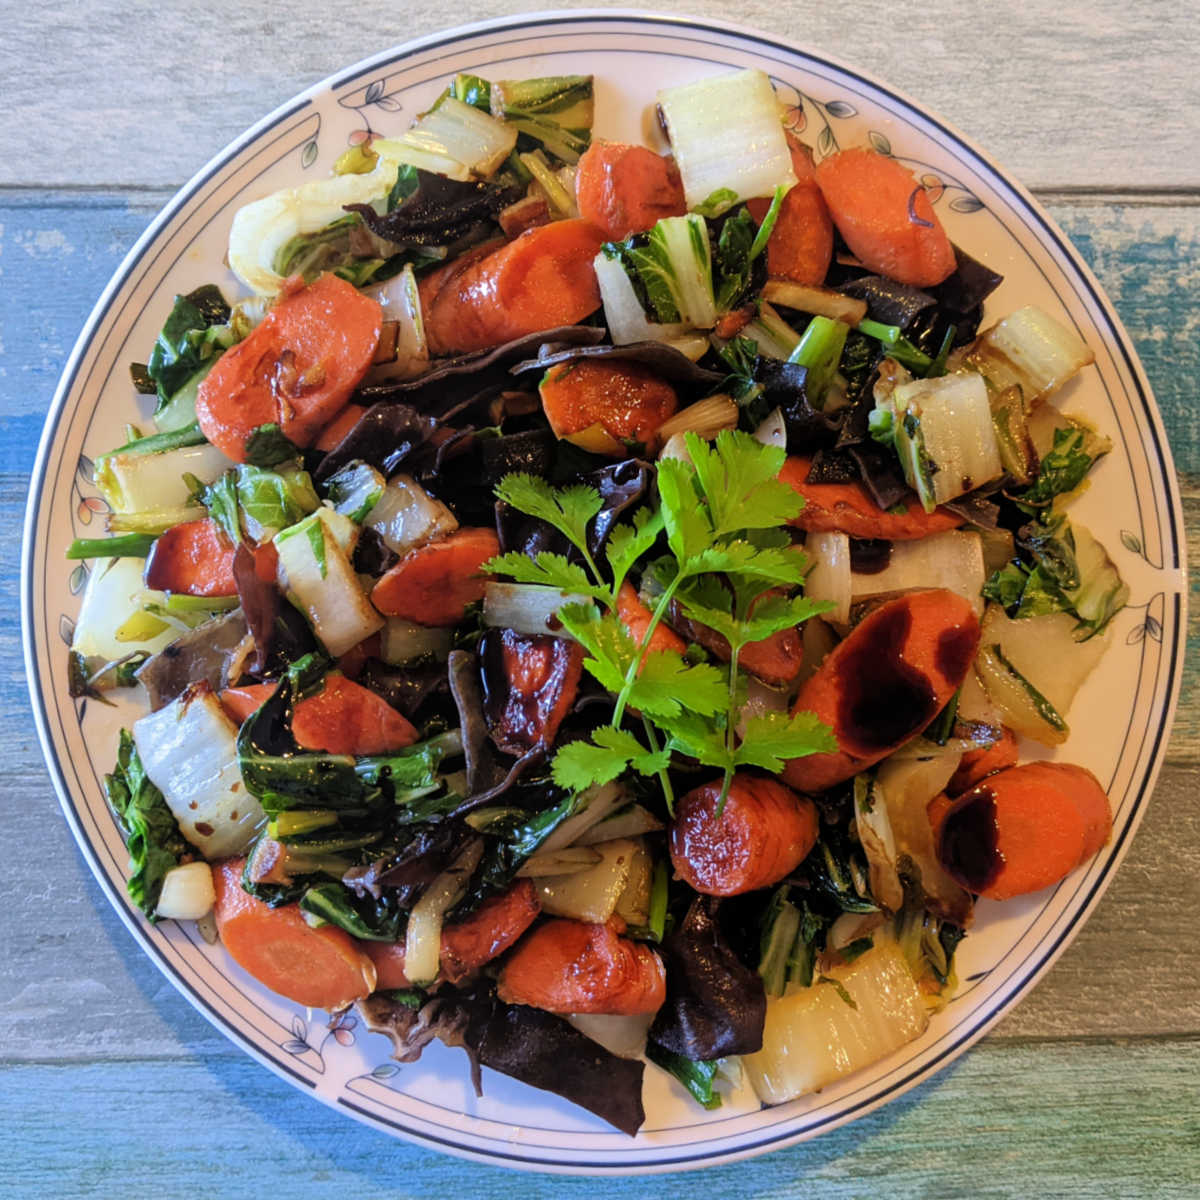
(1090, 1086)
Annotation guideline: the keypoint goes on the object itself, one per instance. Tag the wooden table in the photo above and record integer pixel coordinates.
(113, 1085)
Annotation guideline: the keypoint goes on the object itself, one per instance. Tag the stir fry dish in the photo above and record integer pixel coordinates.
(573, 580)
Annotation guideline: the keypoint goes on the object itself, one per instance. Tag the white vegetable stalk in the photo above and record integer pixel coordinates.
(829, 576)
(813, 1037)
(141, 482)
(316, 574)
(771, 333)
(559, 862)
(261, 229)
(189, 750)
(401, 302)
(525, 607)
(187, 893)
(945, 436)
(423, 935)
(952, 560)
(1031, 350)
(727, 140)
(112, 619)
(591, 894)
(595, 804)
(462, 132)
(623, 313)
(561, 199)
(407, 516)
(401, 642)
(628, 822)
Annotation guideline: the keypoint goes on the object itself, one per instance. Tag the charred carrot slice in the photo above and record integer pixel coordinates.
(624, 189)
(338, 427)
(602, 406)
(849, 508)
(763, 833)
(775, 659)
(635, 616)
(296, 370)
(800, 247)
(1024, 829)
(467, 944)
(569, 967)
(346, 718)
(530, 682)
(885, 216)
(976, 765)
(351, 663)
(540, 280)
(433, 584)
(880, 687)
(320, 967)
(240, 703)
(193, 559)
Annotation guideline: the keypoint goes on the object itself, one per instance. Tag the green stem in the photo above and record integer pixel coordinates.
(127, 545)
(663, 778)
(663, 601)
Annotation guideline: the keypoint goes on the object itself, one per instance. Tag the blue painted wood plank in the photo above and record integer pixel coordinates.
(1076, 1119)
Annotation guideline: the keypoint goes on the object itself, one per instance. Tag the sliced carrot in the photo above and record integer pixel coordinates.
(296, 370)
(568, 967)
(342, 718)
(1024, 829)
(193, 559)
(318, 967)
(241, 703)
(602, 406)
(763, 833)
(346, 718)
(800, 247)
(337, 429)
(775, 659)
(885, 216)
(266, 562)
(624, 189)
(540, 280)
(467, 944)
(530, 684)
(849, 508)
(635, 616)
(880, 687)
(434, 584)
(978, 764)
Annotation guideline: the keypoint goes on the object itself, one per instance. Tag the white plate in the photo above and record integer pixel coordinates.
(1121, 719)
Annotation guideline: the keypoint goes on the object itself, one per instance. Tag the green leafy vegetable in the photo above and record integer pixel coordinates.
(151, 834)
(673, 264)
(697, 1077)
(820, 351)
(195, 332)
(555, 110)
(268, 447)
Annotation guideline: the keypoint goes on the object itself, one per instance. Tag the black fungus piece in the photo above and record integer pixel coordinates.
(970, 284)
(408, 872)
(441, 212)
(715, 1004)
(261, 601)
(453, 382)
(544, 1051)
(889, 302)
(406, 688)
(660, 358)
(484, 771)
(784, 386)
(383, 436)
(529, 453)
(882, 475)
(203, 654)
(621, 486)
(372, 555)
(833, 466)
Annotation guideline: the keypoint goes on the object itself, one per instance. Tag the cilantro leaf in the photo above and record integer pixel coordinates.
(611, 752)
(774, 612)
(666, 685)
(568, 509)
(771, 739)
(627, 543)
(697, 738)
(742, 486)
(688, 532)
(548, 569)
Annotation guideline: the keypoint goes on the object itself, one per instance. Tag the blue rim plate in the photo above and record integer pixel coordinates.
(1133, 507)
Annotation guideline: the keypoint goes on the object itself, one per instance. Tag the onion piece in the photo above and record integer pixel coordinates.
(596, 803)
(590, 895)
(189, 750)
(423, 935)
(812, 1036)
(822, 302)
(631, 821)
(830, 578)
(187, 893)
(401, 302)
(559, 862)
(401, 642)
(706, 418)
(526, 607)
(773, 430)
(407, 516)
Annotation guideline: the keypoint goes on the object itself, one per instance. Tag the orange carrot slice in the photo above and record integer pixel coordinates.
(624, 189)
(800, 247)
(192, 559)
(601, 406)
(433, 584)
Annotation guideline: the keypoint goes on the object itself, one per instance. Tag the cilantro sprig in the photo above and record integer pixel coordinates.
(731, 567)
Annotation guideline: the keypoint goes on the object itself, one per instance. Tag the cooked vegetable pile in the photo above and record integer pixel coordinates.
(579, 580)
